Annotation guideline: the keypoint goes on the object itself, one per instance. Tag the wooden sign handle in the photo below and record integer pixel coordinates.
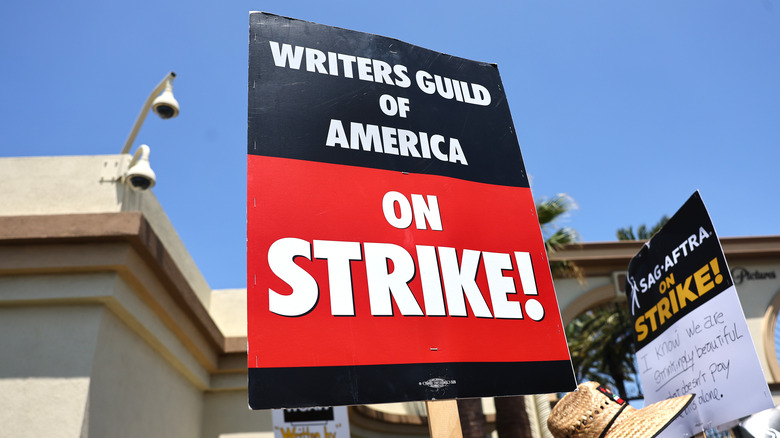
(443, 420)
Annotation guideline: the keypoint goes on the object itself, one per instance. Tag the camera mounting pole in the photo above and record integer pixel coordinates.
(167, 84)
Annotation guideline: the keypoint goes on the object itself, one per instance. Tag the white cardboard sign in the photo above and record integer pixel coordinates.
(319, 422)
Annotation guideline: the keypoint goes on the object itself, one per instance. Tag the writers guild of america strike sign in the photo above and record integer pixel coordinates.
(394, 252)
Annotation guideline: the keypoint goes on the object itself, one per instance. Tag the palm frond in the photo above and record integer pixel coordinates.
(550, 210)
(642, 231)
(562, 237)
(602, 347)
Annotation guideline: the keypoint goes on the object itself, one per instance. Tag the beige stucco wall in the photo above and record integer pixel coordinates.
(84, 355)
(95, 339)
(45, 368)
(569, 293)
(134, 392)
(58, 185)
(228, 308)
(226, 414)
(755, 297)
(88, 184)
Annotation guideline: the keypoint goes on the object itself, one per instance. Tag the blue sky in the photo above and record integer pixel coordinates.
(629, 107)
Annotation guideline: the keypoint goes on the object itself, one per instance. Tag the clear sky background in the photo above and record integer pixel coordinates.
(627, 106)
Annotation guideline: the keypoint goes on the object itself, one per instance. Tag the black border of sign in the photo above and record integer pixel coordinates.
(289, 114)
(354, 385)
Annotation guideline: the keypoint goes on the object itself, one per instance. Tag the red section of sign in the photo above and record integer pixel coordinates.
(314, 201)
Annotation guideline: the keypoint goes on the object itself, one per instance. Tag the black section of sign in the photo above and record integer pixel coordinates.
(682, 238)
(308, 415)
(352, 385)
(290, 110)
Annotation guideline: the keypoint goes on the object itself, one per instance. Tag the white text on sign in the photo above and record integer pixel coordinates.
(458, 281)
(446, 283)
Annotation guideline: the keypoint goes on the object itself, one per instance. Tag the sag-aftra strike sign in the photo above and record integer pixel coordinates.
(691, 333)
(394, 252)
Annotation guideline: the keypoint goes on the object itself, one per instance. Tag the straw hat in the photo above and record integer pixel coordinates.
(592, 411)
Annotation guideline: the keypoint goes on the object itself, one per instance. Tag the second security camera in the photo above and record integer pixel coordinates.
(165, 105)
(140, 175)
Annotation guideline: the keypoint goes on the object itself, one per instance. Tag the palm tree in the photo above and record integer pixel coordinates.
(642, 232)
(603, 347)
(511, 417)
(549, 212)
(601, 340)
(472, 418)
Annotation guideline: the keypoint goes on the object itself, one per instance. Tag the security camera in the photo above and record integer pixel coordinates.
(140, 175)
(165, 105)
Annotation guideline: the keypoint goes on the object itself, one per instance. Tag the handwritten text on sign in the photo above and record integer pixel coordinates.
(709, 354)
(317, 422)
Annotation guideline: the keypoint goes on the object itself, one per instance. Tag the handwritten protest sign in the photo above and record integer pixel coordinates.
(691, 332)
(393, 247)
(316, 422)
